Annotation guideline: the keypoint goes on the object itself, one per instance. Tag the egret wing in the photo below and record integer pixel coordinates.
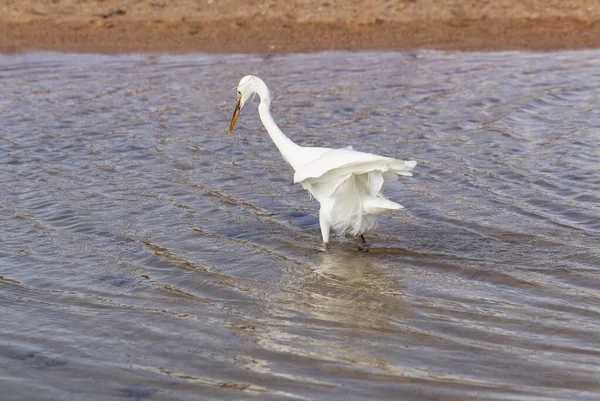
(350, 161)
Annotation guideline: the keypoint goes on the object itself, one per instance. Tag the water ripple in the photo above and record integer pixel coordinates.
(147, 254)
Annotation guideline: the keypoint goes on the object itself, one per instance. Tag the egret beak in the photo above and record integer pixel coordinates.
(236, 113)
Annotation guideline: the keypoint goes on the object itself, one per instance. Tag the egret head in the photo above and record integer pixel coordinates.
(245, 89)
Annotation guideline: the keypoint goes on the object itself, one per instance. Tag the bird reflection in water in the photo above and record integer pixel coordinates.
(353, 289)
(344, 299)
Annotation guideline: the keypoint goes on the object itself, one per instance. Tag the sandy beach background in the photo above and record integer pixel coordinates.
(310, 25)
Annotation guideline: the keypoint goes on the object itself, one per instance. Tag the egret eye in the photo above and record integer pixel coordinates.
(239, 94)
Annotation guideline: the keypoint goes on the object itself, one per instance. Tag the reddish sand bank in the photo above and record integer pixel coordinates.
(278, 25)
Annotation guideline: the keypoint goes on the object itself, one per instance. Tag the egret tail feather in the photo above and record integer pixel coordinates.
(356, 201)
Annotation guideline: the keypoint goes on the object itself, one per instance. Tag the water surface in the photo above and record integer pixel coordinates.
(146, 254)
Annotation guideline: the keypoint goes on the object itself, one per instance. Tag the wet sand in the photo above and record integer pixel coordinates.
(280, 26)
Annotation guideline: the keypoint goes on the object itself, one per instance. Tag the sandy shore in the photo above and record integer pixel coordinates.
(311, 25)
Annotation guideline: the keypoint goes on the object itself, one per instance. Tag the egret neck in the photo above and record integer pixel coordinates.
(289, 150)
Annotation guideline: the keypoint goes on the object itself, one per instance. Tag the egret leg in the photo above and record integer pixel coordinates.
(325, 226)
(362, 243)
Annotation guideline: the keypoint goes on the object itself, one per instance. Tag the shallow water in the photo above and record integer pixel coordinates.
(146, 254)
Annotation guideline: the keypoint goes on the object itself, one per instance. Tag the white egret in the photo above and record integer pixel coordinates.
(348, 184)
